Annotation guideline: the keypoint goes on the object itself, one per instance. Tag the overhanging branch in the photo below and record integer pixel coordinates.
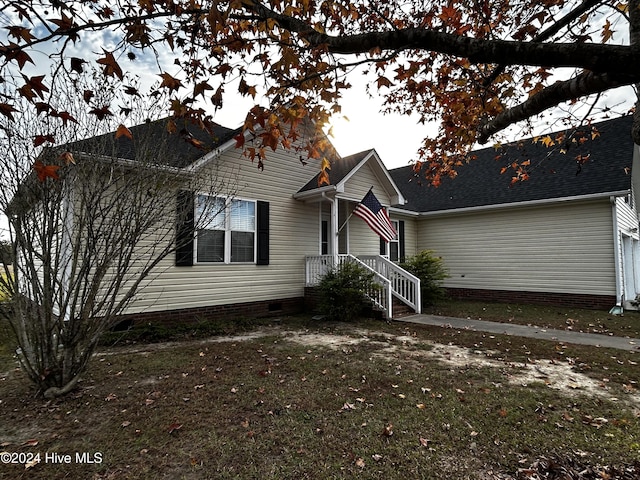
(586, 83)
(621, 59)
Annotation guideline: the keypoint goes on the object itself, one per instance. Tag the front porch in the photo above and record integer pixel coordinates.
(394, 280)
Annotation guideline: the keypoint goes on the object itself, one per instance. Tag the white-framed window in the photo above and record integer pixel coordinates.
(394, 245)
(229, 230)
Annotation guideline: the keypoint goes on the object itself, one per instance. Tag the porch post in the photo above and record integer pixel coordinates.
(334, 230)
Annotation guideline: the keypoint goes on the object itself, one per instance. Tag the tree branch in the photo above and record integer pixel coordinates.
(589, 56)
(586, 83)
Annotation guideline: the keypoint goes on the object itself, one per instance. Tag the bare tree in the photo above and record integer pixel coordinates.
(90, 223)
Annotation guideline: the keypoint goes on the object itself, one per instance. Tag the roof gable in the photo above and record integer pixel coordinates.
(553, 174)
(344, 168)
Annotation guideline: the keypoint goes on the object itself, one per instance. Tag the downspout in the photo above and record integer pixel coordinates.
(618, 308)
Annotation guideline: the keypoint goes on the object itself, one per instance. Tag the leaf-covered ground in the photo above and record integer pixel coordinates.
(315, 400)
(544, 316)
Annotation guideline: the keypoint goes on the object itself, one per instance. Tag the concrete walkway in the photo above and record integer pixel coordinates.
(564, 336)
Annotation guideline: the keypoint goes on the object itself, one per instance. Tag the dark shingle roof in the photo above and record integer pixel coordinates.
(340, 168)
(552, 174)
(153, 144)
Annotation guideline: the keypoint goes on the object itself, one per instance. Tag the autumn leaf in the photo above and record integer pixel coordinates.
(174, 427)
(388, 430)
(46, 171)
(384, 82)
(65, 117)
(101, 112)
(7, 110)
(190, 139)
(170, 82)
(77, 64)
(245, 89)
(42, 139)
(67, 157)
(30, 443)
(201, 88)
(239, 140)
(123, 131)
(20, 33)
(111, 67)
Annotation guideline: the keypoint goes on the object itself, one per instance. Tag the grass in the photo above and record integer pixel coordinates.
(575, 319)
(300, 399)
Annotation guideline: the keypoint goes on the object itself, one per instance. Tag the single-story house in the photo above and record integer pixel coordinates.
(567, 235)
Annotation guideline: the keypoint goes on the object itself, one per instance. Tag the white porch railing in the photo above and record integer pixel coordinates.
(405, 285)
(318, 265)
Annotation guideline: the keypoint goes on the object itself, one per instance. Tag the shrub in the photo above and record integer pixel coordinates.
(342, 291)
(431, 272)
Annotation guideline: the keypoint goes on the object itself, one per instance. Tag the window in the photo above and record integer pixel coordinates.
(394, 245)
(229, 233)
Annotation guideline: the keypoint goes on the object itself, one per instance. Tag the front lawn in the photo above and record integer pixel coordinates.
(300, 399)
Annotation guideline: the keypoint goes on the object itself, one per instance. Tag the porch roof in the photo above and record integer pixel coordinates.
(343, 168)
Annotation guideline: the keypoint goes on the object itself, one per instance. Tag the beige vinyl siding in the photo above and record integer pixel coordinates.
(410, 233)
(362, 240)
(564, 248)
(293, 233)
(359, 184)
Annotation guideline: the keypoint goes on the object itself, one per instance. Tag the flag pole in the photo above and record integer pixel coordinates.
(351, 215)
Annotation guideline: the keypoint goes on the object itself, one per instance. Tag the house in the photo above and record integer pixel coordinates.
(568, 235)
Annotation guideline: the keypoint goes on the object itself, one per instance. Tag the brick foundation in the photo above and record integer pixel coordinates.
(267, 308)
(595, 302)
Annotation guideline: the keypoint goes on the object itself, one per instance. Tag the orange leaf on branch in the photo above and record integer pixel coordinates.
(170, 82)
(111, 67)
(46, 171)
(42, 139)
(67, 157)
(123, 131)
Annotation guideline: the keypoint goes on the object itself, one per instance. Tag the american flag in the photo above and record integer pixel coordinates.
(370, 210)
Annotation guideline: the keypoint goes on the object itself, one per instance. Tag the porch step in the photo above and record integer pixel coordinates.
(401, 309)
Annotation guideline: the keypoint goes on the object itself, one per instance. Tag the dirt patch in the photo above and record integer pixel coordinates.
(557, 376)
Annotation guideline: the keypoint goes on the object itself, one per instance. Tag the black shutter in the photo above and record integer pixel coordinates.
(401, 249)
(184, 228)
(263, 233)
(383, 247)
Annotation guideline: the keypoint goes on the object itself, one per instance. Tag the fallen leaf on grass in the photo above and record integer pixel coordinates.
(125, 424)
(174, 427)
(30, 443)
(387, 431)
(111, 396)
(32, 463)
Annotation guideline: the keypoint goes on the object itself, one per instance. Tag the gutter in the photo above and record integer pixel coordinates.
(315, 192)
(528, 203)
